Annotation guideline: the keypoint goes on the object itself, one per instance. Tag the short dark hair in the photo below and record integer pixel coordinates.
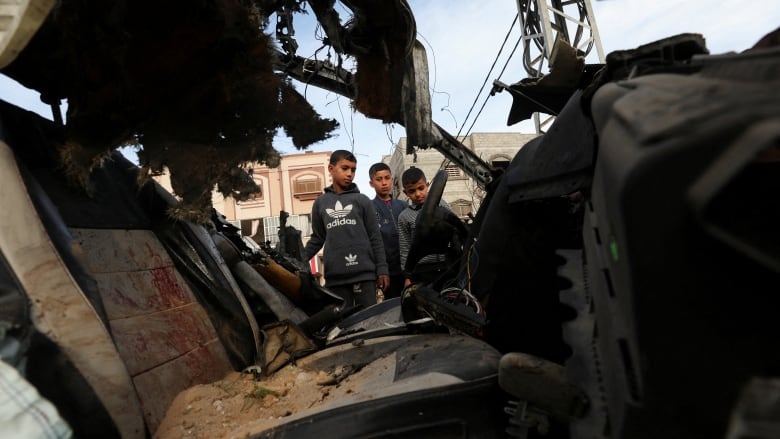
(412, 175)
(342, 154)
(376, 167)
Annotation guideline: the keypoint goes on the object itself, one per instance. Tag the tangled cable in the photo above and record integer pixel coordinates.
(460, 295)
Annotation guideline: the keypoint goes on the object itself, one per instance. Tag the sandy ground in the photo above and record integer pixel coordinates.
(240, 405)
(243, 404)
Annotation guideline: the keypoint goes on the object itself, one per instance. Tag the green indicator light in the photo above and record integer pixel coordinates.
(613, 248)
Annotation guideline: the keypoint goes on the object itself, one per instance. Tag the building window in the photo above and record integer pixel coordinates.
(257, 196)
(500, 161)
(462, 208)
(308, 184)
(271, 227)
(453, 171)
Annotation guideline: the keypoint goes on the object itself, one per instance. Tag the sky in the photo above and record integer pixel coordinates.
(462, 40)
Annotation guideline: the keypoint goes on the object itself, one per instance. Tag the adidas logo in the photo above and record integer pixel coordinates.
(351, 259)
(338, 213)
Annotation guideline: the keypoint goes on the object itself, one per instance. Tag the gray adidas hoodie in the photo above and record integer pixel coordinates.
(345, 223)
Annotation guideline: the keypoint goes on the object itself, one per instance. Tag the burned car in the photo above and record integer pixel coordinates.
(617, 282)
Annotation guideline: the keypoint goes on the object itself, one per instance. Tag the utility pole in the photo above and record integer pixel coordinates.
(542, 21)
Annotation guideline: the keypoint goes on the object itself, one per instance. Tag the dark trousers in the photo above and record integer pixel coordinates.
(360, 293)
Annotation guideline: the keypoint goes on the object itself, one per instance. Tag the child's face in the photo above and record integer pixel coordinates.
(342, 172)
(382, 183)
(417, 191)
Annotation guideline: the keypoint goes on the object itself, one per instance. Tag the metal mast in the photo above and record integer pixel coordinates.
(542, 21)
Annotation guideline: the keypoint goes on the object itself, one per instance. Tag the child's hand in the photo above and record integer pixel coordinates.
(383, 282)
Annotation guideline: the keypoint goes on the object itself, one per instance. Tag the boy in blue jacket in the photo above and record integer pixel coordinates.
(344, 221)
(387, 211)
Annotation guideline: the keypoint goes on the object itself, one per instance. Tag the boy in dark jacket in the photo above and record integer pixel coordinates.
(344, 221)
(387, 211)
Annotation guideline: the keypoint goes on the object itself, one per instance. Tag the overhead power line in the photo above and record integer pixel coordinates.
(501, 49)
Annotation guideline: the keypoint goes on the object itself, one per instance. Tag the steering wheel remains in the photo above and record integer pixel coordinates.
(435, 226)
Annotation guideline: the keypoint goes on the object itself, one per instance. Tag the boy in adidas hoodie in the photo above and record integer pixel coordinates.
(344, 221)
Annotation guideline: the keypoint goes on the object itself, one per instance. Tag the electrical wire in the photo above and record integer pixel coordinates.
(506, 38)
(456, 294)
(489, 95)
(433, 86)
(349, 131)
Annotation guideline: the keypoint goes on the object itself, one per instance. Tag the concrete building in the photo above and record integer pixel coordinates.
(292, 187)
(461, 193)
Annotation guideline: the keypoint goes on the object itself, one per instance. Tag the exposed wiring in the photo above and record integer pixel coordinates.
(433, 90)
(349, 131)
(460, 295)
(433, 57)
(468, 263)
(389, 133)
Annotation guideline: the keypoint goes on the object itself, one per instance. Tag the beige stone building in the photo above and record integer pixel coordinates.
(461, 193)
(292, 187)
